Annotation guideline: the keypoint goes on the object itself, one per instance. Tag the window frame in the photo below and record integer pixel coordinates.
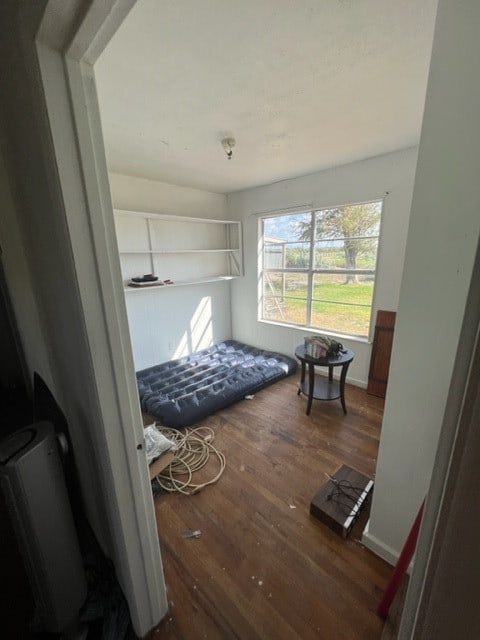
(311, 271)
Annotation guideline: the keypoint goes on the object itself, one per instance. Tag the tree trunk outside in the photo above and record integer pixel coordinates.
(351, 263)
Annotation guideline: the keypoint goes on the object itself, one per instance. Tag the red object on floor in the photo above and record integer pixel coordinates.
(401, 566)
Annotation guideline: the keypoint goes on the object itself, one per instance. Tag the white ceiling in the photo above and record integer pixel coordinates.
(301, 85)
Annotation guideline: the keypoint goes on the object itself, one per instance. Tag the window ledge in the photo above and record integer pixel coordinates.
(311, 331)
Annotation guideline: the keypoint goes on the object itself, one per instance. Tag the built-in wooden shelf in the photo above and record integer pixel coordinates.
(181, 283)
(167, 251)
(186, 250)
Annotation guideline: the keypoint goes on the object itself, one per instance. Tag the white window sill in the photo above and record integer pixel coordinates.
(311, 331)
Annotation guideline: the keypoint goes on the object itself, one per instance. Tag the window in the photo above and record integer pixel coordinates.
(318, 267)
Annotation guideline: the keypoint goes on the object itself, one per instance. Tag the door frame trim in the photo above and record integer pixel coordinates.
(68, 79)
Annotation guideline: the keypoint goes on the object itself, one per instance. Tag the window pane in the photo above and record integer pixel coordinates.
(356, 220)
(280, 285)
(285, 297)
(340, 305)
(297, 255)
(347, 253)
(340, 318)
(286, 255)
(345, 240)
(346, 289)
(329, 254)
(290, 310)
(273, 254)
(291, 227)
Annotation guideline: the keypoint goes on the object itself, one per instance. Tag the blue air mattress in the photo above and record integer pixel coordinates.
(181, 392)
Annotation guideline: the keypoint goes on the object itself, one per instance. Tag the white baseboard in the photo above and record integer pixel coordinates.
(349, 380)
(378, 547)
(356, 383)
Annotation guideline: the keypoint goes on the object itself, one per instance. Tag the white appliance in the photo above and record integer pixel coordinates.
(32, 481)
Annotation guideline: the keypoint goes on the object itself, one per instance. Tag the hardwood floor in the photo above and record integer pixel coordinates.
(263, 567)
(392, 623)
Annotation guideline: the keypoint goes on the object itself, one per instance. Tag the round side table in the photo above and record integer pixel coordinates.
(319, 387)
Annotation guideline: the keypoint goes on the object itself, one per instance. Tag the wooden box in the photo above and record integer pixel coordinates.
(339, 501)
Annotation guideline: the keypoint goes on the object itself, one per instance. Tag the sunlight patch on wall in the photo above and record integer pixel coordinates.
(183, 347)
(201, 329)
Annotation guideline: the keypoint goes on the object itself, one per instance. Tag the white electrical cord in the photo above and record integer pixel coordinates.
(193, 448)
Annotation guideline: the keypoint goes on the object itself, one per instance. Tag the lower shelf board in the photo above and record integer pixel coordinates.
(323, 389)
(339, 501)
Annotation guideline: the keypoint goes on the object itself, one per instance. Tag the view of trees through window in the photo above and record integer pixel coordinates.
(319, 267)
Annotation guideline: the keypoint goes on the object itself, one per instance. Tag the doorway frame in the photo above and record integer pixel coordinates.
(70, 38)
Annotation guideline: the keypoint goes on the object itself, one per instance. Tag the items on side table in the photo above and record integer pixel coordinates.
(319, 346)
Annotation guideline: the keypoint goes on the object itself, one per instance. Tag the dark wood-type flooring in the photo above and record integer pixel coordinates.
(263, 567)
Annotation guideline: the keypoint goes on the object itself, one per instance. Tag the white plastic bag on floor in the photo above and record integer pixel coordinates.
(156, 443)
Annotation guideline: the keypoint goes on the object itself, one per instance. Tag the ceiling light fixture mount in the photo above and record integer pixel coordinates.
(228, 144)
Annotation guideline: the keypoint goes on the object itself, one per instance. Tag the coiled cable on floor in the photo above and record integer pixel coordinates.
(193, 449)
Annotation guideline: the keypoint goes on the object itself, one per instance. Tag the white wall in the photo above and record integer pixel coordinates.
(151, 196)
(168, 323)
(356, 182)
(442, 240)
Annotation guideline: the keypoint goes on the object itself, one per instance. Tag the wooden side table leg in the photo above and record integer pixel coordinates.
(311, 385)
(342, 386)
(302, 378)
